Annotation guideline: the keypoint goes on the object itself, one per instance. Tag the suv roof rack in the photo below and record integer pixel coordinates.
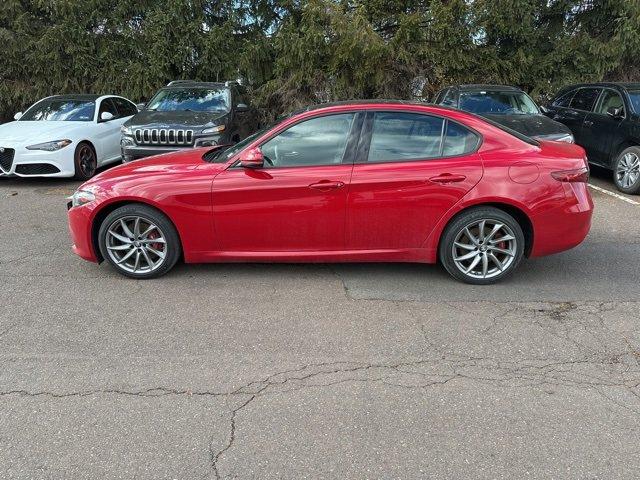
(177, 82)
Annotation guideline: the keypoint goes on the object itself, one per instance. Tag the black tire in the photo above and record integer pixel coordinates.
(486, 250)
(85, 161)
(148, 216)
(627, 161)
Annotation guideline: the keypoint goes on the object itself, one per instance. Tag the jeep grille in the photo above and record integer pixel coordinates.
(163, 136)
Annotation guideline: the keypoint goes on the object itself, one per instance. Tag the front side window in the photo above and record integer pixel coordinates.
(61, 111)
(565, 100)
(399, 137)
(498, 102)
(125, 108)
(609, 99)
(584, 99)
(317, 141)
(634, 96)
(191, 100)
(450, 99)
(107, 106)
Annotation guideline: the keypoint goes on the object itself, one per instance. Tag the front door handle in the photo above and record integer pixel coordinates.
(588, 123)
(448, 178)
(326, 185)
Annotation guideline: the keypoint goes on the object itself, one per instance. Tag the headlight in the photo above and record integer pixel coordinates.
(216, 129)
(561, 137)
(126, 130)
(81, 197)
(50, 146)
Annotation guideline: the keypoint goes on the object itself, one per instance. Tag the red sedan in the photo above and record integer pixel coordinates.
(351, 182)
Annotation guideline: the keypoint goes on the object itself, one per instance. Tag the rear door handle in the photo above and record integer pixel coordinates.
(448, 178)
(326, 185)
(588, 123)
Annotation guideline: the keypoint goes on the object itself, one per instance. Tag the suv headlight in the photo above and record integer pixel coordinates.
(81, 197)
(50, 146)
(126, 130)
(216, 129)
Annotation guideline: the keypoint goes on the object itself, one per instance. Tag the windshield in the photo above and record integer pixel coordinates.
(634, 96)
(498, 102)
(191, 100)
(61, 111)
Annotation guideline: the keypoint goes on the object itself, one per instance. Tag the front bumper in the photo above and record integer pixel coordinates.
(37, 163)
(80, 220)
(130, 150)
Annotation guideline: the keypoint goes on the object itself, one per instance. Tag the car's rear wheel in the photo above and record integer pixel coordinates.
(139, 241)
(482, 246)
(85, 161)
(626, 171)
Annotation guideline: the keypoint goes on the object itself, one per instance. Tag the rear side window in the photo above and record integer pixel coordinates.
(399, 137)
(585, 98)
(458, 140)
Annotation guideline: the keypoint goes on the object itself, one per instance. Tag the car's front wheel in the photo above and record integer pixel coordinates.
(626, 171)
(139, 241)
(85, 161)
(482, 246)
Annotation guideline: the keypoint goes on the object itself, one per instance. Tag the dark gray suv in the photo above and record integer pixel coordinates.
(188, 114)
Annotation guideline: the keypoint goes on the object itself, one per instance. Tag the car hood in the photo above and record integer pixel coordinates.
(152, 169)
(530, 125)
(28, 133)
(176, 119)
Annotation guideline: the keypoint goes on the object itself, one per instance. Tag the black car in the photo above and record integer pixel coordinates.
(188, 114)
(506, 105)
(605, 120)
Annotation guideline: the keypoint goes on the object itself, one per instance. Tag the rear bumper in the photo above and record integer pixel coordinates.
(80, 219)
(564, 227)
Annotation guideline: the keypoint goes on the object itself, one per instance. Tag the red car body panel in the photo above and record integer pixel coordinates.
(394, 211)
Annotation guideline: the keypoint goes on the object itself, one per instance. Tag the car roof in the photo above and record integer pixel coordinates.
(625, 85)
(81, 96)
(194, 84)
(479, 87)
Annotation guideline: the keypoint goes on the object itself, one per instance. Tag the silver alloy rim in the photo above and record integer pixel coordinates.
(136, 245)
(628, 170)
(484, 248)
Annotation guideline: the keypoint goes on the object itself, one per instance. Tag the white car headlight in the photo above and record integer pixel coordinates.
(50, 146)
(216, 129)
(126, 130)
(81, 197)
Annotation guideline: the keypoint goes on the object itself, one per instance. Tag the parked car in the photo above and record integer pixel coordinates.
(605, 120)
(64, 136)
(357, 181)
(506, 105)
(187, 114)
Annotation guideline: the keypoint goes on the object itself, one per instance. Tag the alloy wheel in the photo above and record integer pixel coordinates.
(628, 170)
(136, 245)
(484, 248)
(86, 161)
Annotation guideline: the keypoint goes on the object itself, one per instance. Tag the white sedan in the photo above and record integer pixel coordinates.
(64, 136)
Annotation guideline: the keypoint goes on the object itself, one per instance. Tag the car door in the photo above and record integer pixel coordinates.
(108, 131)
(602, 131)
(297, 202)
(581, 104)
(410, 169)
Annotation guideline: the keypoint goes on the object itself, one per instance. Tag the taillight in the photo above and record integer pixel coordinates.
(580, 175)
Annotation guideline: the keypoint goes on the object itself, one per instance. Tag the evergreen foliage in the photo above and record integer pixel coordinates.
(296, 52)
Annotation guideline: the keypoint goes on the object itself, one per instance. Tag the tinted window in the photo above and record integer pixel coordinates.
(125, 108)
(107, 106)
(634, 96)
(497, 102)
(450, 99)
(564, 100)
(609, 99)
(61, 110)
(585, 98)
(458, 140)
(191, 99)
(318, 141)
(400, 136)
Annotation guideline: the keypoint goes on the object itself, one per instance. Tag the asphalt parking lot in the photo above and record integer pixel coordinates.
(316, 371)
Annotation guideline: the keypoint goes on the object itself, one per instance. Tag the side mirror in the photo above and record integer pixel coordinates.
(106, 116)
(252, 158)
(141, 106)
(615, 112)
(242, 107)
(17, 116)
